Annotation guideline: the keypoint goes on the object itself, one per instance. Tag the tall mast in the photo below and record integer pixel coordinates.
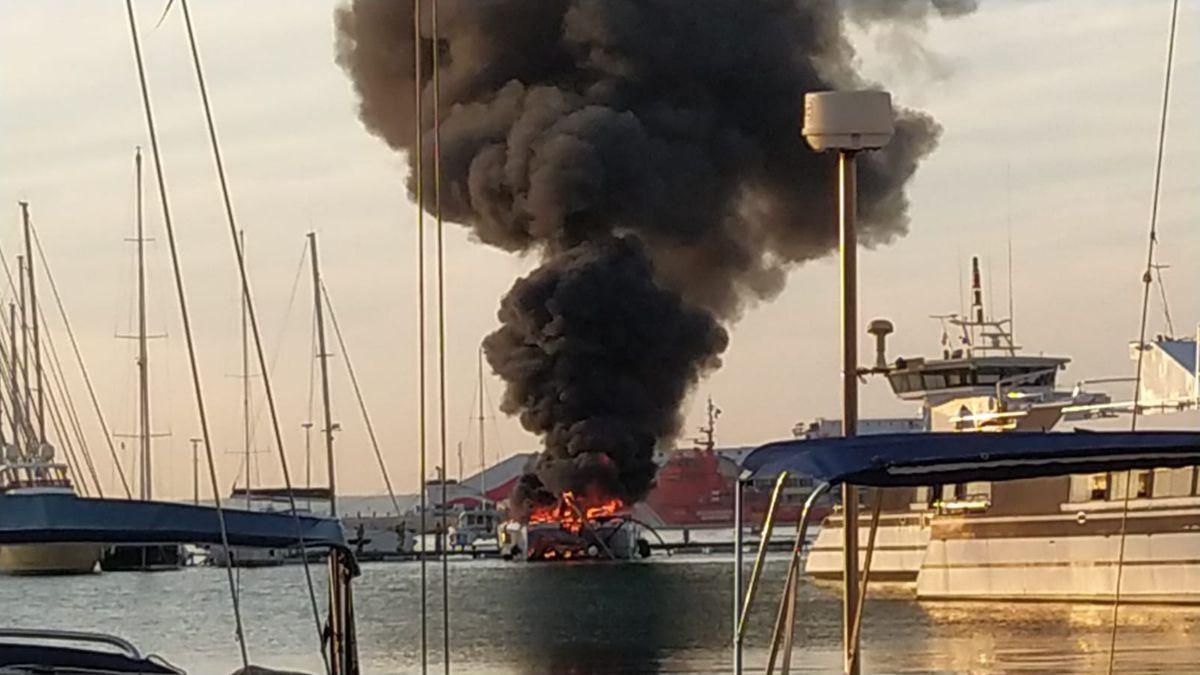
(482, 436)
(143, 362)
(25, 394)
(245, 379)
(13, 381)
(307, 453)
(324, 356)
(37, 346)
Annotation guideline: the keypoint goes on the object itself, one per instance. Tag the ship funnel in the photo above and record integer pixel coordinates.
(880, 328)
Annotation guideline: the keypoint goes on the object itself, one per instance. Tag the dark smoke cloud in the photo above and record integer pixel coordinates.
(649, 152)
(598, 358)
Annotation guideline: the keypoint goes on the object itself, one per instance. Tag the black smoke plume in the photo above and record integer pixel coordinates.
(598, 357)
(649, 151)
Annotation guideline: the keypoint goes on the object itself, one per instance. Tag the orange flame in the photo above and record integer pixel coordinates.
(571, 514)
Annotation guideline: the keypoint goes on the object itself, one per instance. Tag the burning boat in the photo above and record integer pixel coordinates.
(574, 529)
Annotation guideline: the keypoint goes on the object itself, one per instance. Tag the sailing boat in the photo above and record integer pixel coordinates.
(477, 527)
(373, 537)
(27, 460)
(252, 499)
(134, 558)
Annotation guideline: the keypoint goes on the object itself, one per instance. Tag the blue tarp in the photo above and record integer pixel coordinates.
(51, 518)
(1182, 351)
(898, 460)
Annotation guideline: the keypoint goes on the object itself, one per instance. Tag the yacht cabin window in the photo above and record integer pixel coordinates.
(1089, 487)
(1140, 489)
(979, 490)
(1172, 482)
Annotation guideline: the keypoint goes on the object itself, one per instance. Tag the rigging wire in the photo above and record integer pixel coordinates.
(1147, 279)
(58, 380)
(495, 424)
(8, 369)
(362, 406)
(283, 328)
(74, 469)
(58, 377)
(28, 429)
(441, 327)
(1162, 292)
(187, 324)
(56, 422)
(471, 420)
(422, 329)
(83, 370)
(251, 315)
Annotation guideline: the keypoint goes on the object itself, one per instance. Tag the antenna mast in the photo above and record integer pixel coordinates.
(707, 440)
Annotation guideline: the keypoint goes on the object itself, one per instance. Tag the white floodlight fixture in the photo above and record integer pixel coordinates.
(848, 120)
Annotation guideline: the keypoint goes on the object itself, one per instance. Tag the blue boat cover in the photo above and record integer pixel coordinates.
(65, 518)
(899, 460)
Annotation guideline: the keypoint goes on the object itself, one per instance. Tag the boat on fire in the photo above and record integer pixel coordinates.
(572, 530)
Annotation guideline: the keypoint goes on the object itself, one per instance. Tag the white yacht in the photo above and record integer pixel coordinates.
(1041, 539)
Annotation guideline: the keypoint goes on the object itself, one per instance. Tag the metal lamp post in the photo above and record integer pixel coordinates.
(848, 122)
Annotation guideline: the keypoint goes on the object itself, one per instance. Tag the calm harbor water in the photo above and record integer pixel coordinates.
(666, 615)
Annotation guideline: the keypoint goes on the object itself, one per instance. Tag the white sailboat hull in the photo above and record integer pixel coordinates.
(48, 559)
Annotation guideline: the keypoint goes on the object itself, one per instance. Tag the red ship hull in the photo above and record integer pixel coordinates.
(695, 489)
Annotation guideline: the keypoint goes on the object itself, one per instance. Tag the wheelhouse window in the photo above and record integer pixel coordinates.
(1098, 486)
(935, 381)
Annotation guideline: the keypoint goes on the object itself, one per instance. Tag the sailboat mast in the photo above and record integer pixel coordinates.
(37, 346)
(14, 397)
(25, 394)
(324, 356)
(245, 379)
(147, 486)
(482, 436)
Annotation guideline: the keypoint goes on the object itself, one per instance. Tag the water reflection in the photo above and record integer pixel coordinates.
(662, 616)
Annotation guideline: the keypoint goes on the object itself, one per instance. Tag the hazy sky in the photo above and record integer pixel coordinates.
(1050, 114)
